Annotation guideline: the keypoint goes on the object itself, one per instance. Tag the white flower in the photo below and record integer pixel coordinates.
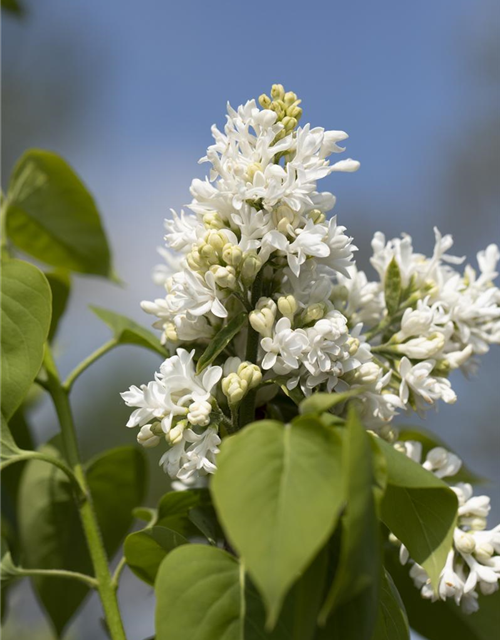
(181, 231)
(194, 455)
(284, 348)
(173, 392)
(425, 387)
(423, 347)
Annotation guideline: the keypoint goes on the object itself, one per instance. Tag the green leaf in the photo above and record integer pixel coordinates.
(52, 538)
(419, 509)
(199, 594)
(392, 287)
(174, 510)
(392, 622)
(50, 528)
(323, 402)
(8, 570)
(60, 285)
(430, 441)
(221, 340)
(25, 319)
(127, 331)
(278, 493)
(145, 550)
(440, 620)
(52, 217)
(117, 480)
(357, 579)
(205, 520)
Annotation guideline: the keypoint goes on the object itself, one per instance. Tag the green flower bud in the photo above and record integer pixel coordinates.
(277, 92)
(264, 101)
(289, 98)
(289, 123)
(316, 216)
(215, 239)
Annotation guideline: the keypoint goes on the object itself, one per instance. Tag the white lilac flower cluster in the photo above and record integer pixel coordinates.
(257, 244)
(473, 564)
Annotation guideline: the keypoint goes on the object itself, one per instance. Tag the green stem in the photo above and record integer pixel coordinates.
(105, 585)
(85, 364)
(57, 573)
(119, 568)
(247, 407)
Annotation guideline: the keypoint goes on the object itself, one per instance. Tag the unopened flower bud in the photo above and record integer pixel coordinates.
(352, 345)
(147, 438)
(216, 239)
(234, 388)
(208, 253)
(313, 312)
(225, 277)
(251, 373)
(171, 332)
(295, 112)
(174, 436)
(232, 254)
(456, 359)
(262, 321)
(367, 373)
(288, 306)
(213, 220)
(264, 101)
(316, 216)
(464, 542)
(199, 413)
(289, 123)
(195, 261)
(289, 98)
(484, 551)
(422, 348)
(277, 92)
(250, 267)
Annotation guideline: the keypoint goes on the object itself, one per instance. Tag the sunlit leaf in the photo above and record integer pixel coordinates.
(52, 216)
(278, 493)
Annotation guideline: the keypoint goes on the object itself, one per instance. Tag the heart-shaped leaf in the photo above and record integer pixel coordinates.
(278, 492)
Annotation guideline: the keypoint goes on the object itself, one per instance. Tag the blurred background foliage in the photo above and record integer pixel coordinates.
(126, 92)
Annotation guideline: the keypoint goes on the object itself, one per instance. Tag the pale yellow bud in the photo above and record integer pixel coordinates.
(279, 110)
(277, 92)
(352, 345)
(171, 332)
(250, 267)
(316, 216)
(262, 321)
(264, 101)
(313, 312)
(266, 303)
(195, 261)
(289, 123)
(232, 254)
(213, 220)
(174, 436)
(288, 306)
(294, 112)
(289, 98)
(225, 277)
(234, 388)
(250, 373)
(208, 253)
(147, 438)
(464, 542)
(216, 239)
(484, 552)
